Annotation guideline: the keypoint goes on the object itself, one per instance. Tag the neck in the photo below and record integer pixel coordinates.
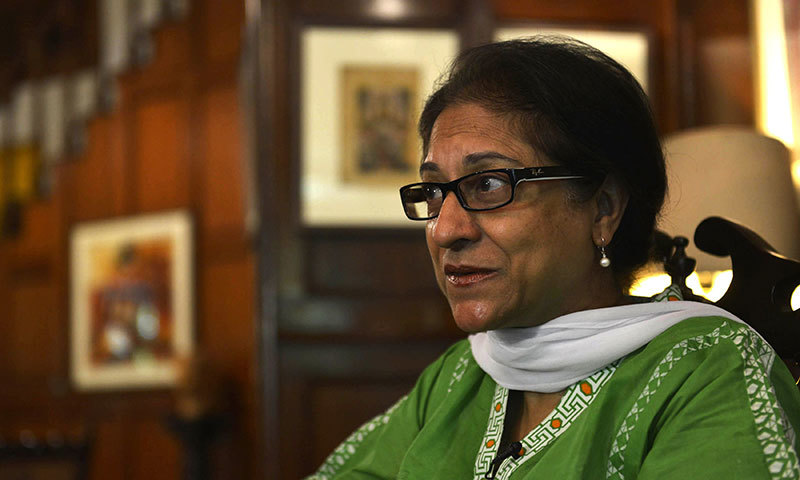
(600, 291)
(527, 410)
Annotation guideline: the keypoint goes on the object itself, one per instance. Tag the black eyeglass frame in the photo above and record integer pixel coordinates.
(517, 175)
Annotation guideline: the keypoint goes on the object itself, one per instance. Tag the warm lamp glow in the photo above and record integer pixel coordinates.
(796, 173)
(775, 112)
(711, 285)
(389, 8)
(650, 285)
(795, 302)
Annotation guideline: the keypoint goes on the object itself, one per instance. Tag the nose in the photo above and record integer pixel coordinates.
(454, 227)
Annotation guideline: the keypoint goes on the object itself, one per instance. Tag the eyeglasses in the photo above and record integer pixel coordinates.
(476, 192)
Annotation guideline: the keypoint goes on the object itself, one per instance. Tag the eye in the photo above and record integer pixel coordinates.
(431, 192)
(488, 183)
(486, 190)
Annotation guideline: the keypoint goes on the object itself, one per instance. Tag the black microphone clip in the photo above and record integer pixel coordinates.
(514, 450)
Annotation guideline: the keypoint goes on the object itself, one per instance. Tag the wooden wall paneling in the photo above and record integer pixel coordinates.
(39, 234)
(600, 13)
(350, 262)
(666, 69)
(149, 153)
(367, 318)
(34, 328)
(6, 346)
(221, 142)
(334, 388)
(160, 131)
(131, 439)
(418, 13)
(173, 59)
(716, 62)
(225, 290)
(154, 452)
(287, 452)
(222, 25)
(269, 119)
(477, 24)
(96, 180)
(110, 451)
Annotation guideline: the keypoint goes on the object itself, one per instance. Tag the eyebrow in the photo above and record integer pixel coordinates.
(471, 159)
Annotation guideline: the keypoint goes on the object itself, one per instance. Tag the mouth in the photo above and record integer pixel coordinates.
(466, 275)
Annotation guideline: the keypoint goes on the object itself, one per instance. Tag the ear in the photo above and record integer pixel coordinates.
(611, 199)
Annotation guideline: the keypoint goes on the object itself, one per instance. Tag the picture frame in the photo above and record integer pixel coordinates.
(361, 90)
(132, 300)
(630, 47)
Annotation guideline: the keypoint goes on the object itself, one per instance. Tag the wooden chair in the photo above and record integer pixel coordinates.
(762, 285)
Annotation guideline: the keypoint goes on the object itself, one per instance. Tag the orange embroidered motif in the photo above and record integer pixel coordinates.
(498, 407)
(490, 443)
(672, 298)
(556, 423)
(586, 388)
(521, 452)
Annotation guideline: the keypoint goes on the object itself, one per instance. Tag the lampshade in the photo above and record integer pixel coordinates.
(732, 172)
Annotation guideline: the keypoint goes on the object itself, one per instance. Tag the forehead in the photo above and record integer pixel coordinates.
(461, 131)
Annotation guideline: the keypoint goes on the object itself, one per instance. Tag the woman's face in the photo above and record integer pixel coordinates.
(522, 264)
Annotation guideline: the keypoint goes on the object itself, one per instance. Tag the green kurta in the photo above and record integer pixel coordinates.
(705, 399)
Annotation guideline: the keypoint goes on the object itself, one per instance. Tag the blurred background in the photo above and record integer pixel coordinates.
(204, 268)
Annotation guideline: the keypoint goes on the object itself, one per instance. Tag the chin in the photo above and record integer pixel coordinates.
(470, 327)
(473, 318)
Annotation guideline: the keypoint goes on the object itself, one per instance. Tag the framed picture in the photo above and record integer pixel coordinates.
(630, 47)
(131, 301)
(379, 142)
(361, 92)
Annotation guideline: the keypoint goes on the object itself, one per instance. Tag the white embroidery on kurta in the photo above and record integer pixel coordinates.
(772, 427)
(459, 369)
(776, 438)
(575, 401)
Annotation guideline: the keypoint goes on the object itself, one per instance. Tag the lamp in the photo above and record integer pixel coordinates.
(732, 172)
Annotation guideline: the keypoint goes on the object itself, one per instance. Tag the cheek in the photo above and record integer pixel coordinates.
(433, 251)
(432, 248)
(538, 245)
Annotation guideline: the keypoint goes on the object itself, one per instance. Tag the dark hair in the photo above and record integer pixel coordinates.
(579, 107)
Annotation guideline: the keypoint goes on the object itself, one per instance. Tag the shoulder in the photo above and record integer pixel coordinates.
(713, 357)
(721, 360)
(708, 335)
(713, 376)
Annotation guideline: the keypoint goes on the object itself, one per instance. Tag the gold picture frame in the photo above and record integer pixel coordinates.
(131, 301)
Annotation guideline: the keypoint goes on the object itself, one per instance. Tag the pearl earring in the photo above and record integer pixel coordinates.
(605, 262)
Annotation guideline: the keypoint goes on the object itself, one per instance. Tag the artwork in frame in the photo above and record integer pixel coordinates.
(131, 301)
(378, 122)
(361, 91)
(630, 47)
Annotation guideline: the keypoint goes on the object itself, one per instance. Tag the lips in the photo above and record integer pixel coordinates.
(466, 275)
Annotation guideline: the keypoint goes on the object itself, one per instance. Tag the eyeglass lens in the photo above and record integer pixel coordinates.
(481, 191)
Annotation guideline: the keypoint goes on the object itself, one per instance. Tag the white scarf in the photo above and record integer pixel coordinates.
(552, 356)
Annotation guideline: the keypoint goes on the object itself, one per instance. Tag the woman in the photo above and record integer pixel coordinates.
(541, 182)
